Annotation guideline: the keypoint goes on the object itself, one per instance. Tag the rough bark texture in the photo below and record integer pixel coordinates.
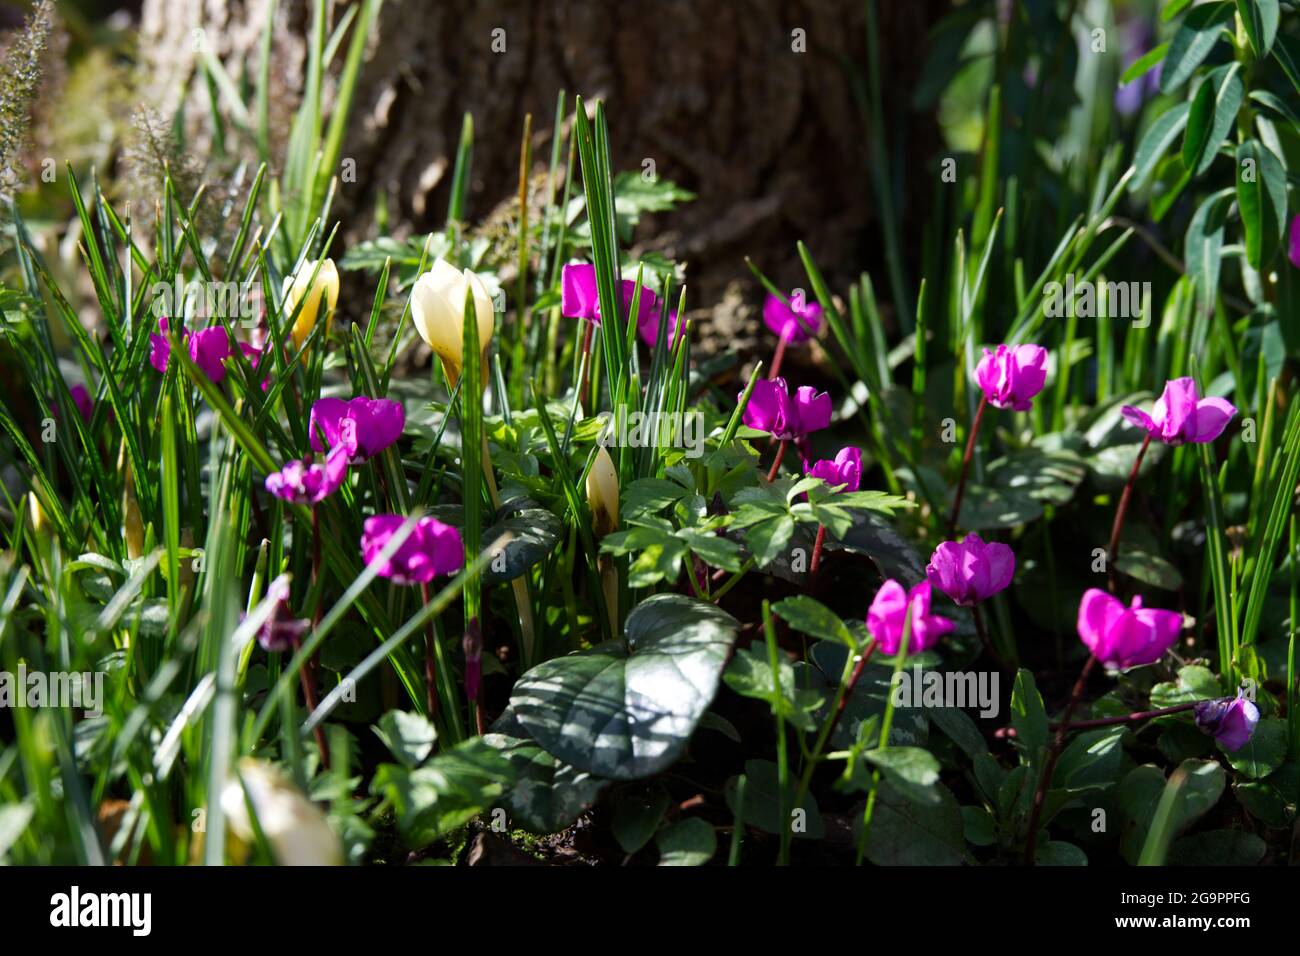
(772, 140)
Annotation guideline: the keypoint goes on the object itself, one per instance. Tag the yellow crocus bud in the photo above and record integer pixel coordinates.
(438, 310)
(295, 828)
(296, 289)
(602, 493)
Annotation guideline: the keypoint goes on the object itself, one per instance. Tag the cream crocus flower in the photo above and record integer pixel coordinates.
(438, 310)
(295, 828)
(296, 289)
(602, 493)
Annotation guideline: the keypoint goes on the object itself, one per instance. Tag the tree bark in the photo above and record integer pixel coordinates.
(718, 95)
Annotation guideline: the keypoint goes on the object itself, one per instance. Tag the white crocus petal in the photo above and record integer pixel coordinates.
(295, 290)
(602, 493)
(438, 311)
(295, 828)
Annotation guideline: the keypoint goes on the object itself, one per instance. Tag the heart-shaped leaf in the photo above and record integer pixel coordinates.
(626, 709)
(546, 795)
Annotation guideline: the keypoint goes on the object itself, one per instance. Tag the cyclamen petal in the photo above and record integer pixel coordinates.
(772, 409)
(364, 426)
(793, 321)
(971, 571)
(305, 483)
(1122, 637)
(889, 610)
(431, 548)
(1012, 375)
(1293, 252)
(1179, 415)
(1230, 720)
(844, 473)
(578, 296)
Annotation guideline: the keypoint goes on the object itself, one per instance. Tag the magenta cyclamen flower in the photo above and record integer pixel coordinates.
(1012, 375)
(971, 571)
(281, 631)
(580, 299)
(1230, 720)
(208, 349)
(844, 473)
(81, 398)
(364, 426)
(795, 322)
(772, 409)
(890, 608)
(1178, 415)
(1122, 637)
(306, 483)
(1293, 252)
(432, 548)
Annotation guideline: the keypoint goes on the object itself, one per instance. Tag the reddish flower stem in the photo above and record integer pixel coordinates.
(1134, 718)
(817, 549)
(1054, 754)
(776, 358)
(585, 362)
(1112, 553)
(848, 688)
(982, 630)
(776, 462)
(965, 464)
(307, 673)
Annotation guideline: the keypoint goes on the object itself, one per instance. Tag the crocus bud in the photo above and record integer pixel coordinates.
(295, 828)
(602, 493)
(1122, 637)
(438, 310)
(1012, 375)
(40, 524)
(296, 289)
(1230, 720)
(971, 571)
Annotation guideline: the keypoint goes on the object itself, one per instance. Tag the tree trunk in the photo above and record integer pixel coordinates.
(749, 105)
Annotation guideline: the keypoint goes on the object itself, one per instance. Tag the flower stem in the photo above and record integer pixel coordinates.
(776, 462)
(307, 673)
(430, 662)
(817, 549)
(1112, 553)
(776, 358)
(965, 463)
(585, 361)
(982, 630)
(828, 728)
(308, 682)
(1054, 754)
(1134, 718)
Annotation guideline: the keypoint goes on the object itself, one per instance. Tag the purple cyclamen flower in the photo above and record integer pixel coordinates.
(208, 349)
(1122, 637)
(1230, 720)
(305, 482)
(1012, 375)
(432, 548)
(281, 631)
(795, 322)
(364, 426)
(1178, 415)
(843, 473)
(81, 398)
(772, 409)
(580, 299)
(890, 609)
(1293, 252)
(971, 571)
